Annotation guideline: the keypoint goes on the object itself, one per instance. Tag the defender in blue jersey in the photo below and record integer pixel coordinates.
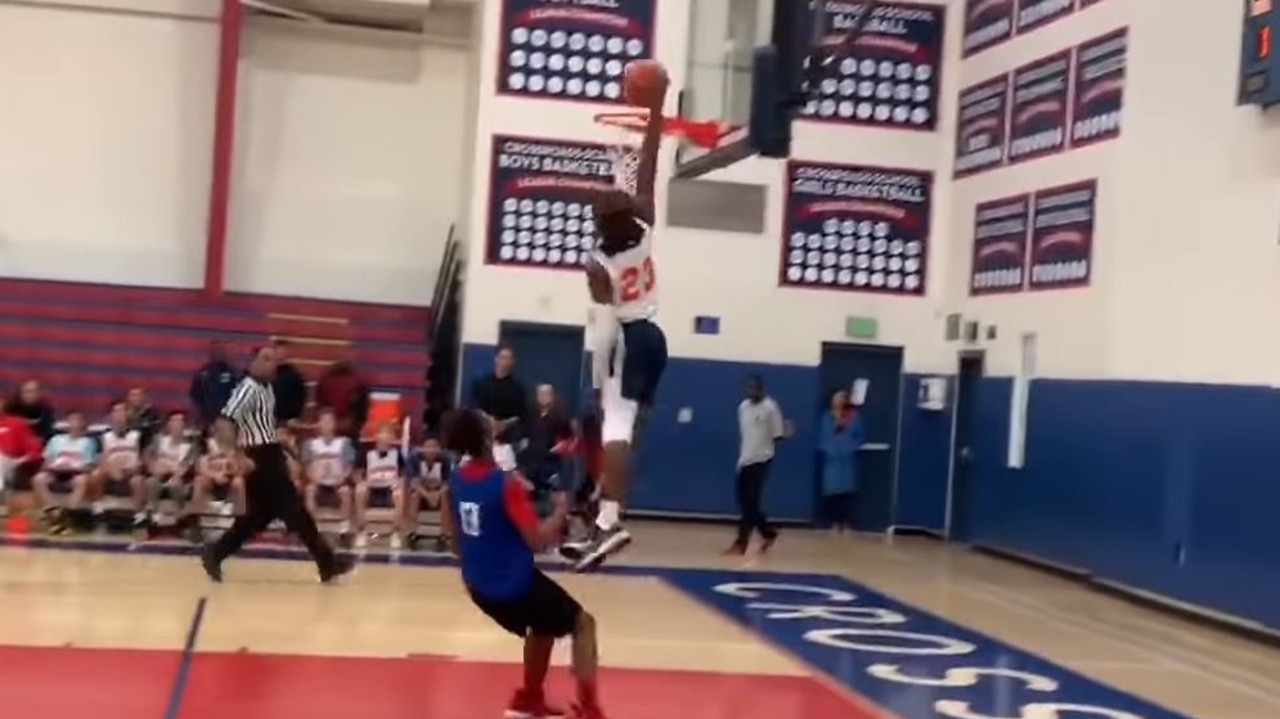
(494, 531)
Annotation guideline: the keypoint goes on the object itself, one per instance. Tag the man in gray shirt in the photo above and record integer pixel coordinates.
(760, 427)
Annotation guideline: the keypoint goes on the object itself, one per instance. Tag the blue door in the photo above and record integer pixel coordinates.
(968, 381)
(550, 354)
(881, 412)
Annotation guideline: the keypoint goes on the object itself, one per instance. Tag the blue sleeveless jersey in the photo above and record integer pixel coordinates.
(496, 561)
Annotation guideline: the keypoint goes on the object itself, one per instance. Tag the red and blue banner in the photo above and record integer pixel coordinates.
(860, 229)
(572, 49)
(540, 193)
(1040, 106)
(1000, 229)
(1033, 14)
(981, 126)
(1098, 93)
(888, 75)
(1062, 227)
(987, 23)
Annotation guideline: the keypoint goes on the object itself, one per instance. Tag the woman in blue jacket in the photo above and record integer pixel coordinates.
(840, 435)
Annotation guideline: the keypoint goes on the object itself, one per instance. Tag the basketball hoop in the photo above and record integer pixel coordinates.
(625, 153)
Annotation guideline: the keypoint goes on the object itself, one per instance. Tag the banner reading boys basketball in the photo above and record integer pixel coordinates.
(1036, 13)
(889, 76)
(1099, 88)
(1062, 235)
(999, 246)
(987, 23)
(980, 129)
(540, 192)
(862, 229)
(1038, 112)
(572, 49)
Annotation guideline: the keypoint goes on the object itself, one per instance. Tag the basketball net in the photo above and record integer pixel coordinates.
(629, 126)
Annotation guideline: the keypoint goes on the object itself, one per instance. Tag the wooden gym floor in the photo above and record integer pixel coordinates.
(827, 628)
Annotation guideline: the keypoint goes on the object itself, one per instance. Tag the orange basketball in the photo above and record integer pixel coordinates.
(644, 83)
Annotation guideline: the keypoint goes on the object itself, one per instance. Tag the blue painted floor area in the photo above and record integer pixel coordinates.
(912, 663)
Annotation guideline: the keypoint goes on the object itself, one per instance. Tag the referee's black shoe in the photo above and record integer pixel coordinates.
(340, 566)
(212, 566)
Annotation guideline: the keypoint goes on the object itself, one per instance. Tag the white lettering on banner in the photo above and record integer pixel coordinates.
(962, 677)
(1060, 271)
(752, 590)
(1011, 277)
(847, 639)
(906, 643)
(960, 710)
(851, 615)
(1035, 13)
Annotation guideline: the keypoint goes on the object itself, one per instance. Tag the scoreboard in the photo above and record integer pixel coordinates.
(1259, 59)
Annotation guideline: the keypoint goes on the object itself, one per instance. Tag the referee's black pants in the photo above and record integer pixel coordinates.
(751, 479)
(270, 494)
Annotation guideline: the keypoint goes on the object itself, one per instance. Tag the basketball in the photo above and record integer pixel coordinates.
(644, 83)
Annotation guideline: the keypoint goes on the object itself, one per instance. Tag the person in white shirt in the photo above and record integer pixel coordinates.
(121, 472)
(329, 459)
(760, 428)
(379, 479)
(220, 478)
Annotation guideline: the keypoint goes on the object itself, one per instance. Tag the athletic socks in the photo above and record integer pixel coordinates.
(609, 514)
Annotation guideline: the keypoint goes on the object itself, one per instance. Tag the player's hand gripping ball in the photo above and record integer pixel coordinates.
(644, 83)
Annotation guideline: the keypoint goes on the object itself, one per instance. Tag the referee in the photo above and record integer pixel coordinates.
(249, 422)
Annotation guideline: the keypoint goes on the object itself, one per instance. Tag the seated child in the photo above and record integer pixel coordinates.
(328, 459)
(380, 484)
(69, 460)
(121, 473)
(171, 462)
(219, 478)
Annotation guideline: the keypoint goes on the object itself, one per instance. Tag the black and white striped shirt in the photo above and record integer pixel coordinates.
(252, 408)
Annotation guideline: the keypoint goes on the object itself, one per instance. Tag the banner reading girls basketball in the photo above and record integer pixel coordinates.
(999, 246)
(540, 211)
(1039, 109)
(980, 130)
(1062, 220)
(572, 49)
(987, 23)
(889, 76)
(1036, 13)
(862, 229)
(1099, 88)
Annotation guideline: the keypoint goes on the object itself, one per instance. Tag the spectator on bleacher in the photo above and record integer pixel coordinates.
(171, 461)
(550, 439)
(346, 394)
(212, 384)
(144, 418)
(289, 385)
(19, 446)
(379, 484)
(328, 459)
(501, 397)
(69, 459)
(218, 478)
(28, 404)
(121, 472)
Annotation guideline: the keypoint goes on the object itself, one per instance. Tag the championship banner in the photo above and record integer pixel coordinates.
(540, 201)
(888, 77)
(1098, 93)
(862, 229)
(1039, 108)
(999, 245)
(987, 23)
(1062, 222)
(1038, 13)
(980, 129)
(572, 49)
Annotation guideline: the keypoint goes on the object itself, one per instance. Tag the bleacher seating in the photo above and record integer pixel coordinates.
(88, 343)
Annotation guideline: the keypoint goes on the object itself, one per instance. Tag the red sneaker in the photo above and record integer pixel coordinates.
(587, 711)
(531, 705)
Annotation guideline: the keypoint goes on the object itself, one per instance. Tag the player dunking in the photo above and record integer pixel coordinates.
(630, 350)
(492, 527)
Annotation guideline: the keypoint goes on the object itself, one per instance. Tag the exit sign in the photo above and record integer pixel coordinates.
(861, 328)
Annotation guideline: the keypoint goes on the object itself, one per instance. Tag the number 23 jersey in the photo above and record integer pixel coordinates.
(635, 284)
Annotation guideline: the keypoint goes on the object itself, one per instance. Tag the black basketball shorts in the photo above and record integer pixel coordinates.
(545, 609)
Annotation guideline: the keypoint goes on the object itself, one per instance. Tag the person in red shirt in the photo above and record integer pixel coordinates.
(18, 445)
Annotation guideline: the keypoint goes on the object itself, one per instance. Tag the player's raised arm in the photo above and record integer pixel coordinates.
(649, 90)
